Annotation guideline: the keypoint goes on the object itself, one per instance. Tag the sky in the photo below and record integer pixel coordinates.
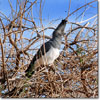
(54, 9)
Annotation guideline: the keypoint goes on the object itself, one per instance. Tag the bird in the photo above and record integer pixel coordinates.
(49, 51)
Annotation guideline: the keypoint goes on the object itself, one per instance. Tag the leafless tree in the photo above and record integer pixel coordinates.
(76, 69)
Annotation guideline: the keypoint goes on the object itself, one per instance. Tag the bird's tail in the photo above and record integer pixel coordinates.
(30, 70)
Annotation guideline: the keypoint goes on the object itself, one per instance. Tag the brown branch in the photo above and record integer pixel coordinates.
(3, 30)
(84, 84)
(77, 36)
(3, 62)
(80, 8)
(83, 26)
(13, 43)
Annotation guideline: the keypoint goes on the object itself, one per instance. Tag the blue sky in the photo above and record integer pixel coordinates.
(54, 9)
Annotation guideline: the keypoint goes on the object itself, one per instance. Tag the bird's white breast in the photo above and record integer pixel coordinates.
(48, 58)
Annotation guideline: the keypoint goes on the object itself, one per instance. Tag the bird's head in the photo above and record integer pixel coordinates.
(59, 31)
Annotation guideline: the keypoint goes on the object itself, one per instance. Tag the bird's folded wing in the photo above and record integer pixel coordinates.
(43, 49)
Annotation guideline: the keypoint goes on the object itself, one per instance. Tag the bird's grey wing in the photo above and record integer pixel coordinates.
(43, 49)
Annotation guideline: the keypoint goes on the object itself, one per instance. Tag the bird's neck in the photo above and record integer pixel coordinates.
(57, 41)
